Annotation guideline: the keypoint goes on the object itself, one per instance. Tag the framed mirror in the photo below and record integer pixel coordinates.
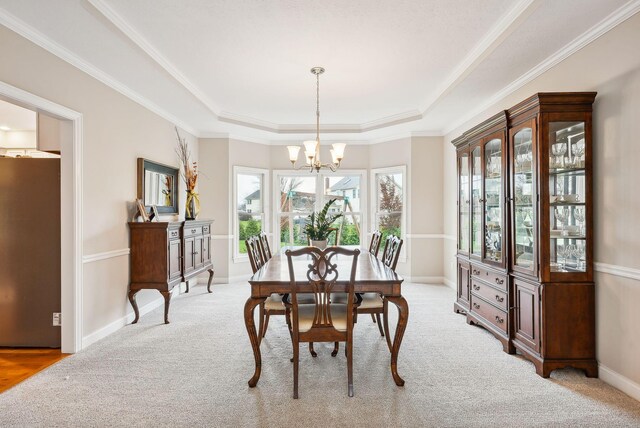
(158, 185)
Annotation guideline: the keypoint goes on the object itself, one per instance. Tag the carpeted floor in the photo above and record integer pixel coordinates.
(194, 372)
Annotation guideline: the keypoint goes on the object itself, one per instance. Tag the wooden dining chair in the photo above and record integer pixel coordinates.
(323, 321)
(273, 304)
(374, 303)
(391, 252)
(374, 246)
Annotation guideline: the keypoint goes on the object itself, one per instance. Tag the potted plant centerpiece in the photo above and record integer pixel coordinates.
(318, 226)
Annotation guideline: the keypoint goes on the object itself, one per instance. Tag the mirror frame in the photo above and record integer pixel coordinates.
(145, 165)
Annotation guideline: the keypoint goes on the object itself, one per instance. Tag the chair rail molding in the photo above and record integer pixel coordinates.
(90, 258)
(616, 270)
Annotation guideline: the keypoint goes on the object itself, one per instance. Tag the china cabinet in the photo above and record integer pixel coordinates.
(525, 225)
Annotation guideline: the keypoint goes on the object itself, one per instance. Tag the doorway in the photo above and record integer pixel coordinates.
(70, 209)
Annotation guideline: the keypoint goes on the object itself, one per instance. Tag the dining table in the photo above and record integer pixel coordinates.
(372, 276)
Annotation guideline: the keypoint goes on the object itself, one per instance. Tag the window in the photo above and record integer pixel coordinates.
(302, 193)
(250, 196)
(389, 196)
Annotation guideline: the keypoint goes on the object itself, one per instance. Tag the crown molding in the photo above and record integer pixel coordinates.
(614, 19)
(396, 119)
(23, 29)
(496, 35)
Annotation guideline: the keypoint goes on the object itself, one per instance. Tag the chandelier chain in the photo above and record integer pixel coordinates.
(318, 108)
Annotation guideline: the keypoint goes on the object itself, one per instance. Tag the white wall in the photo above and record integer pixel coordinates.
(18, 139)
(116, 132)
(611, 66)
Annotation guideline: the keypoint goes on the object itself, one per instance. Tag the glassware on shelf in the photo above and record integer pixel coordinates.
(581, 257)
(578, 149)
(578, 214)
(558, 150)
(561, 251)
(562, 215)
(571, 252)
(559, 190)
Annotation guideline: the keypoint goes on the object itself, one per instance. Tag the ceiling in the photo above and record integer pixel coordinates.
(241, 67)
(16, 118)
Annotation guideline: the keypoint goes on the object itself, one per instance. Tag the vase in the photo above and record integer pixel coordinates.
(192, 206)
(319, 244)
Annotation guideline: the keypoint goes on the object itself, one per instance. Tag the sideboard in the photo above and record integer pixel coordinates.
(164, 254)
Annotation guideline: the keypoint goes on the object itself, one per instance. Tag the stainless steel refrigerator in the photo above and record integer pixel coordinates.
(29, 252)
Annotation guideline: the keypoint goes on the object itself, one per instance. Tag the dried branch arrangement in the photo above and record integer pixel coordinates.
(189, 172)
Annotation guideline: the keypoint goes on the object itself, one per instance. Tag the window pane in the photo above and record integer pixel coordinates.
(292, 235)
(249, 207)
(249, 193)
(390, 224)
(389, 192)
(249, 225)
(346, 189)
(349, 230)
(297, 194)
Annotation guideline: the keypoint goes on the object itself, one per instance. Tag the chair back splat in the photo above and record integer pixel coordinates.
(255, 253)
(392, 251)
(264, 246)
(374, 247)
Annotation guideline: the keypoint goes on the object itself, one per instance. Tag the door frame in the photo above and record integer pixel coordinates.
(70, 212)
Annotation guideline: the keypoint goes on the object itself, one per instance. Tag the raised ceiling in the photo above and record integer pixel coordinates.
(241, 67)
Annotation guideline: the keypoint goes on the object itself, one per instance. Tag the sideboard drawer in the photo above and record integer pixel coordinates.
(192, 230)
(489, 312)
(205, 229)
(174, 234)
(496, 297)
(495, 279)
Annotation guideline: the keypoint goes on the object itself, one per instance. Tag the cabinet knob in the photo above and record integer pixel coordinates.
(499, 320)
(477, 306)
(476, 287)
(499, 281)
(499, 299)
(195, 252)
(193, 230)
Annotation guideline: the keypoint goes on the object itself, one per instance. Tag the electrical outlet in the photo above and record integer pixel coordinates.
(57, 319)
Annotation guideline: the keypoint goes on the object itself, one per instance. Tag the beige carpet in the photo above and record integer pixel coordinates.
(194, 372)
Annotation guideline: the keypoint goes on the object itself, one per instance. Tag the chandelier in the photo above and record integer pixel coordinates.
(312, 148)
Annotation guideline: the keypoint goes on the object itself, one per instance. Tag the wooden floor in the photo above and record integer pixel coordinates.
(18, 364)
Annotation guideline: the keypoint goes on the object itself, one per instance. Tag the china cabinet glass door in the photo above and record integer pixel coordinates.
(463, 203)
(476, 207)
(567, 204)
(493, 201)
(524, 199)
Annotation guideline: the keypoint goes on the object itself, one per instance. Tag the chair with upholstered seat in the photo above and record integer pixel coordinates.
(273, 304)
(324, 321)
(373, 303)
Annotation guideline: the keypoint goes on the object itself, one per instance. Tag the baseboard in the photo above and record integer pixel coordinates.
(223, 279)
(618, 381)
(449, 283)
(121, 322)
(425, 279)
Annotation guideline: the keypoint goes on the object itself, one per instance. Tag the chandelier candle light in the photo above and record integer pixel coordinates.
(312, 148)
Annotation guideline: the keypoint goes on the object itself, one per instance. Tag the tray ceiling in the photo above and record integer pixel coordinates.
(241, 67)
